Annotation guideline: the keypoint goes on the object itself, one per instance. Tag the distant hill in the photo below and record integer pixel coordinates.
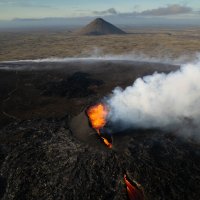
(100, 27)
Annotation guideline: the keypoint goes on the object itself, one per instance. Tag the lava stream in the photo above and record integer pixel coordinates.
(97, 115)
(133, 192)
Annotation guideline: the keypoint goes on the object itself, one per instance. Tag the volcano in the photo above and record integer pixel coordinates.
(100, 27)
(49, 149)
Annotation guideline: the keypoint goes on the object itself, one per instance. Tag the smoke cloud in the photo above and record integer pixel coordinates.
(160, 101)
(173, 9)
(97, 54)
(110, 11)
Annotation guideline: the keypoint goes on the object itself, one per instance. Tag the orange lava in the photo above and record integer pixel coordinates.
(133, 192)
(106, 142)
(97, 115)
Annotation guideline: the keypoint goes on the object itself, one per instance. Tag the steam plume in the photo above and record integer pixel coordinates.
(160, 100)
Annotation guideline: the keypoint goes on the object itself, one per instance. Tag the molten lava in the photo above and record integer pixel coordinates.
(97, 115)
(133, 192)
(106, 142)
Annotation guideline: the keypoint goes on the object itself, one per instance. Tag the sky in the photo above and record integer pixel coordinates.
(11, 9)
(115, 10)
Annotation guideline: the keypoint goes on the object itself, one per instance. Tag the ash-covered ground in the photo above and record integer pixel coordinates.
(43, 157)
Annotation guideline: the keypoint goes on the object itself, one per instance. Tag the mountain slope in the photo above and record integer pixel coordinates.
(100, 27)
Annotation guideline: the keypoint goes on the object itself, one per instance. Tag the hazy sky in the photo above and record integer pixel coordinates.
(10, 9)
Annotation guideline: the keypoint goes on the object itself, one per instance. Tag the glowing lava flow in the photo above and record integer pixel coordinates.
(133, 192)
(97, 115)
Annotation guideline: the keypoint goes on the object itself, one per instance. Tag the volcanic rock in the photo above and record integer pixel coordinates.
(76, 86)
(41, 159)
(46, 162)
(100, 27)
(47, 158)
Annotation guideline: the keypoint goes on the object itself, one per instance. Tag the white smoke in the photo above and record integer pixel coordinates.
(159, 100)
(97, 55)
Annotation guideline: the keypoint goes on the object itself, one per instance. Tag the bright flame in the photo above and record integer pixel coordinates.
(133, 192)
(97, 115)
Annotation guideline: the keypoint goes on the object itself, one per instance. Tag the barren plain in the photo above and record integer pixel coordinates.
(157, 42)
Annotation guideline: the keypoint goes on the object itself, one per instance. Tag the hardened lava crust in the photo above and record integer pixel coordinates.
(48, 149)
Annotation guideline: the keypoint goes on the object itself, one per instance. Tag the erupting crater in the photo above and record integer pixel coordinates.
(97, 115)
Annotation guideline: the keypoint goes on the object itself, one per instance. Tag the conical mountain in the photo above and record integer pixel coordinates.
(100, 27)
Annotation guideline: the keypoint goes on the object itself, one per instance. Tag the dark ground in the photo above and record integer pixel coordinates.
(40, 157)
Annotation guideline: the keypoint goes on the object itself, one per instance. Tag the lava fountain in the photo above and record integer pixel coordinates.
(97, 115)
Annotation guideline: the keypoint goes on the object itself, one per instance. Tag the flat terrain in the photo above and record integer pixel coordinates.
(156, 42)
